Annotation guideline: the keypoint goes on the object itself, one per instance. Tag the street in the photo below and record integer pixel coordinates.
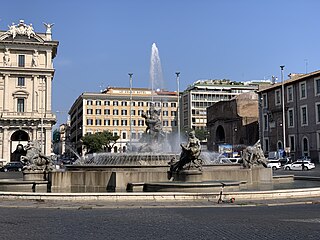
(282, 222)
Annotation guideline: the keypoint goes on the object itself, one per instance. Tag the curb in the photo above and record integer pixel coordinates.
(164, 196)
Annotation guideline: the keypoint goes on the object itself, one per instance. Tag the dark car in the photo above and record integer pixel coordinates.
(12, 166)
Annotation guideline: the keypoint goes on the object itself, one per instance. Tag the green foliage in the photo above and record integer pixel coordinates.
(99, 141)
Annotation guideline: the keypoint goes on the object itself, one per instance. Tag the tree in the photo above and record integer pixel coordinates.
(99, 141)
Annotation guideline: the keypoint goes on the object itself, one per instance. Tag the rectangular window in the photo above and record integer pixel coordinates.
(165, 104)
(277, 97)
(98, 122)
(318, 140)
(291, 142)
(173, 123)
(304, 115)
(21, 81)
(20, 105)
(98, 111)
(140, 112)
(89, 102)
(266, 144)
(265, 100)
(317, 113)
(290, 117)
(124, 135)
(89, 121)
(124, 122)
(115, 122)
(107, 122)
(89, 111)
(133, 112)
(290, 94)
(106, 111)
(98, 103)
(115, 103)
(265, 122)
(303, 90)
(173, 113)
(115, 112)
(140, 104)
(140, 122)
(124, 112)
(21, 60)
(317, 87)
(107, 103)
(173, 104)
(165, 113)
(133, 122)
(165, 123)
(123, 103)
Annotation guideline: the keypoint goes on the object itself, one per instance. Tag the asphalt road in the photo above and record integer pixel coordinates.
(285, 222)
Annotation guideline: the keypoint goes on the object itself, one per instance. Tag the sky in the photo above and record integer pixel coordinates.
(101, 41)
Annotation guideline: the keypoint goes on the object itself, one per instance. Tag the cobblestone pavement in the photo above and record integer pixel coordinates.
(263, 222)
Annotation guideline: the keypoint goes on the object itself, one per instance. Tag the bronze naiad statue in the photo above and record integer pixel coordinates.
(34, 159)
(189, 157)
(253, 155)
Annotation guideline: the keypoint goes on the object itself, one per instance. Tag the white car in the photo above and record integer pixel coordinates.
(274, 164)
(299, 165)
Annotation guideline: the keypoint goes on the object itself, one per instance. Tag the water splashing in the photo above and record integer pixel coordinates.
(156, 77)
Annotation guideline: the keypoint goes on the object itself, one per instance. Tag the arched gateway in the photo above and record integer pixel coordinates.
(18, 138)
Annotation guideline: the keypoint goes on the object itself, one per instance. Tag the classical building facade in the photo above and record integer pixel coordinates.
(26, 72)
(301, 119)
(233, 122)
(110, 110)
(204, 93)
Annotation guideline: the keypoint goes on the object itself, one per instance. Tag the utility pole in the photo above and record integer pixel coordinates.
(130, 79)
(178, 107)
(283, 110)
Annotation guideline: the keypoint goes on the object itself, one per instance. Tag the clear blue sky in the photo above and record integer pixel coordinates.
(101, 41)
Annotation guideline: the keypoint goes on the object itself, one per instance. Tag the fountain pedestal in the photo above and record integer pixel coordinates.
(188, 176)
(34, 175)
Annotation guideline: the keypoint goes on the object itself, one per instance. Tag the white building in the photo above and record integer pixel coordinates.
(26, 72)
(204, 93)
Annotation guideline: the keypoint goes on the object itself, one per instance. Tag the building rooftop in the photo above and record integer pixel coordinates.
(293, 78)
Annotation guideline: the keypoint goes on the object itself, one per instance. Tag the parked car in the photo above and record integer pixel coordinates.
(232, 160)
(304, 158)
(285, 160)
(12, 166)
(299, 165)
(274, 164)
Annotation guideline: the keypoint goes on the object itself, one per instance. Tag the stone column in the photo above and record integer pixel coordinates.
(49, 59)
(48, 94)
(47, 143)
(6, 144)
(6, 99)
(34, 89)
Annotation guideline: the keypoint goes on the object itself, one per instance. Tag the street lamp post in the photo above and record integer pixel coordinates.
(283, 110)
(130, 79)
(178, 107)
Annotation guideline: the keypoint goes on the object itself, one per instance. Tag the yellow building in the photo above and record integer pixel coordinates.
(110, 110)
(26, 72)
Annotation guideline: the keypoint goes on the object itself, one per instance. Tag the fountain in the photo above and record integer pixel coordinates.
(154, 162)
